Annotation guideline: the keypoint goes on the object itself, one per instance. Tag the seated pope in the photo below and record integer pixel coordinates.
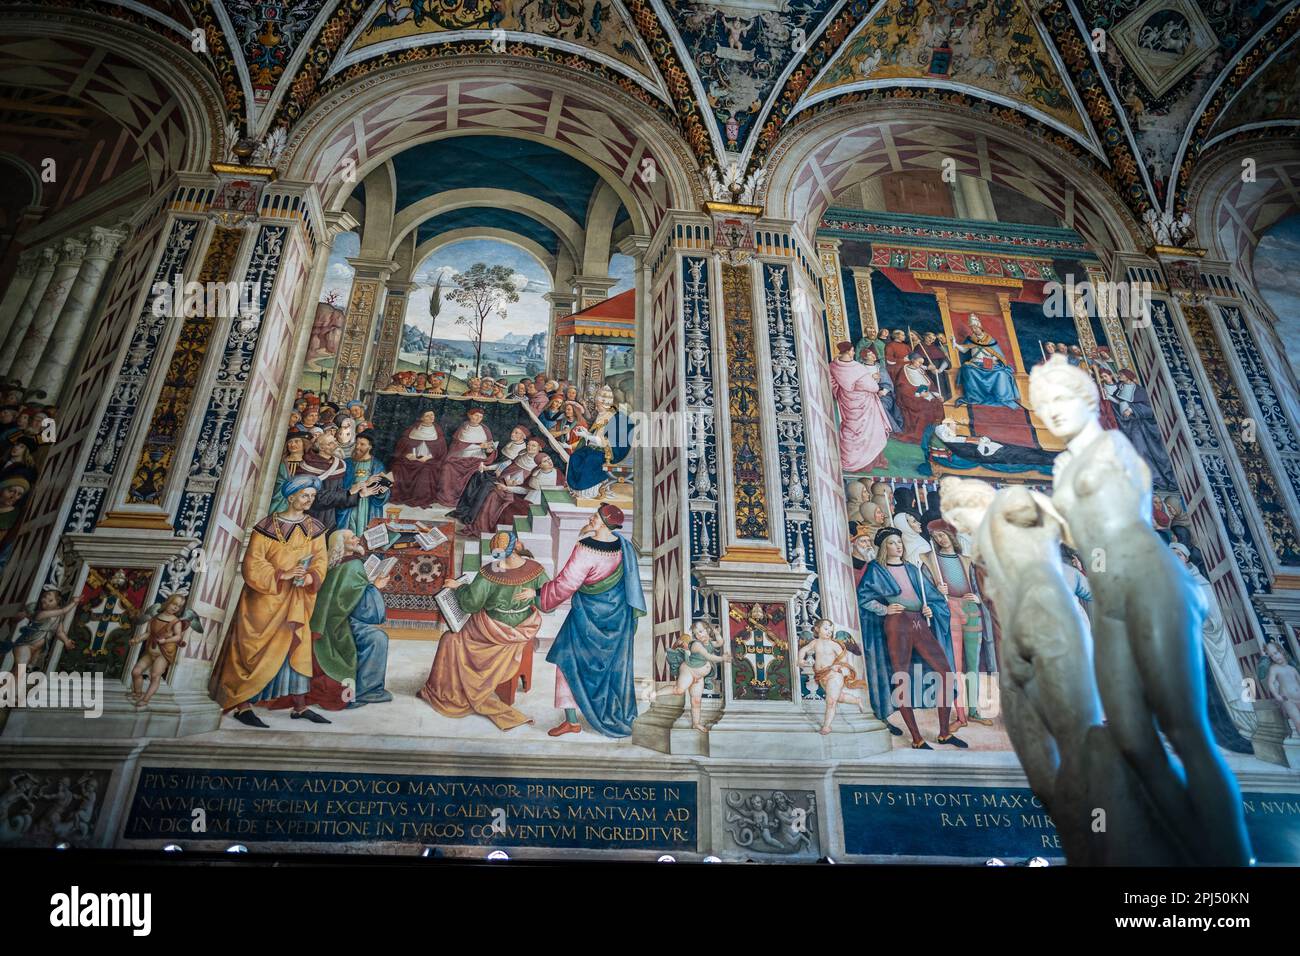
(986, 377)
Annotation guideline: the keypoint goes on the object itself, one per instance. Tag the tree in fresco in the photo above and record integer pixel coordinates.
(482, 289)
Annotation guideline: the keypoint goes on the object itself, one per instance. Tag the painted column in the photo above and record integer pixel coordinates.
(641, 532)
(390, 332)
(16, 292)
(865, 300)
(45, 260)
(828, 252)
(56, 294)
(1104, 299)
(367, 290)
(101, 247)
(558, 364)
(589, 370)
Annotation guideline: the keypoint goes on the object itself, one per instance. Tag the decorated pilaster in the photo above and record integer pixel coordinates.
(390, 331)
(367, 292)
(757, 399)
(637, 247)
(558, 363)
(240, 430)
(1246, 535)
(589, 358)
(170, 479)
(828, 253)
(56, 294)
(865, 300)
(77, 312)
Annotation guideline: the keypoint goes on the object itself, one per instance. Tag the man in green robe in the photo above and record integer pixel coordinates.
(490, 649)
(350, 646)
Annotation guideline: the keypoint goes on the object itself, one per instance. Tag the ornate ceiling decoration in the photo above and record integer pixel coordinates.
(1170, 78)
(998, 49)
(598, 28)
(1164, 59)
(741, 51)
(1270, 96)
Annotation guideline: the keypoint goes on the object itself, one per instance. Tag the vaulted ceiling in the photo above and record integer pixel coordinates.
(1139, 87)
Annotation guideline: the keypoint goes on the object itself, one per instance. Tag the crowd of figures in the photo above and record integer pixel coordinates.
(924, 614)
(27, 426)
(593, 434)
(308, 634)
(901, 385)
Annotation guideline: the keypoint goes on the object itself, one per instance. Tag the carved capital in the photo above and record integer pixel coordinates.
(72, 250)
(103, 243)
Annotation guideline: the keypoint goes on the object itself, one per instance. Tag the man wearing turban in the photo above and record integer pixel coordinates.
(267, 656)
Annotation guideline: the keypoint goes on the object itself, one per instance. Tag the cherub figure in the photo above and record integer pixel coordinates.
(1283, 682)
(700, 645)
(17, 805)
(161, 628)
(44, 621)
(832, 671)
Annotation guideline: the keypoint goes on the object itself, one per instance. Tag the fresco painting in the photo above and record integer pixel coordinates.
(930, 373)
(576, 449)
(990, 46)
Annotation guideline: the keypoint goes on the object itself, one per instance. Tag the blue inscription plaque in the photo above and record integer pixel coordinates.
(1010, 822)
(337, 807)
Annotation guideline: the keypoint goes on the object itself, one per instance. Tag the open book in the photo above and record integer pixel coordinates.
(376, 537)
(377, 568)
(449, 605)
(428, 540)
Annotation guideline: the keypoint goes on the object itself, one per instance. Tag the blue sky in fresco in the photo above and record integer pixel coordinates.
(1277, 273)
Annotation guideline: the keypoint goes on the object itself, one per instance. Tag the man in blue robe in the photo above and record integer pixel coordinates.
(986, 377)
(361, 469)
(592, 653)
(901, 610)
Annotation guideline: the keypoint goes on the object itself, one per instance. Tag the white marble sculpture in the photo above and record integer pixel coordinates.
(1146, 629)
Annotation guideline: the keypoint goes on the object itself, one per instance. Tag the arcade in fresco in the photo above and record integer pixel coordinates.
(590, 427)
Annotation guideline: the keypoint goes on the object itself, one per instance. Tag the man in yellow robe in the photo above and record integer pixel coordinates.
(267, 656)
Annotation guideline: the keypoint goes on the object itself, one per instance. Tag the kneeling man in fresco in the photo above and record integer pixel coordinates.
(268, 652)
(899, 606)
(592, 653)
(471, 663)
(350, 646)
